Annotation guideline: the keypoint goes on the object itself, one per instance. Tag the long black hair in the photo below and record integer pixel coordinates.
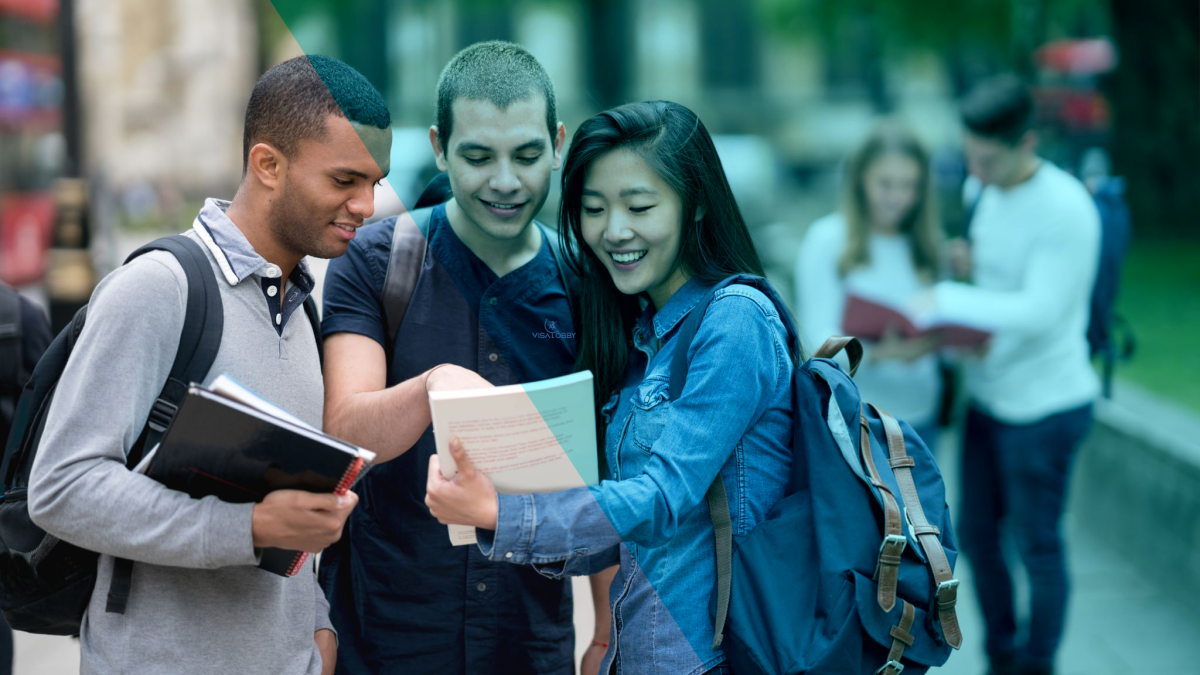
(673, 141)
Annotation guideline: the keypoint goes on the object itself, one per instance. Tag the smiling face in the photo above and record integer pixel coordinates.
(499, 163)
(327, 188)
(892, 185)
(632, 220)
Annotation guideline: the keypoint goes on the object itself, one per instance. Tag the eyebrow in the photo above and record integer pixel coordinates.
(627, 192)
(468, 146)
(356, 173)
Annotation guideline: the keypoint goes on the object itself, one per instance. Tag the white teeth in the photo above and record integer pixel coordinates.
(625, 258)
(502, 206)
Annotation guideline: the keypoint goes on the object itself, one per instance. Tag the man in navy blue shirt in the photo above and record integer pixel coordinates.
(402, 598)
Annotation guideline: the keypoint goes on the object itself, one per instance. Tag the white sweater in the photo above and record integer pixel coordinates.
(1034, 255)
(908, 390)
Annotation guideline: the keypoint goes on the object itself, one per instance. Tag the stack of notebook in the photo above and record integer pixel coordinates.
(227, 442)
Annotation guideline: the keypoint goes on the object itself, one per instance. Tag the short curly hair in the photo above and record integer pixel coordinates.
(291, 102)
(495, 71)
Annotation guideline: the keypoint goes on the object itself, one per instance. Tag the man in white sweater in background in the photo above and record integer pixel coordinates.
(1034, 248)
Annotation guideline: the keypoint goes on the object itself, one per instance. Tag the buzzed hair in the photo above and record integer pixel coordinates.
(291, 102)
(499, 72)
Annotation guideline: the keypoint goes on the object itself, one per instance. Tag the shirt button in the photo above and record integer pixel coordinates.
(481, 587)
(492, 300)
(272, 271)
(508, 554)
(272, 291)
(493, 357)
(278, 319)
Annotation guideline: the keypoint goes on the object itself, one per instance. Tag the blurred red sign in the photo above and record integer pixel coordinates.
(26, 228)
(38, 10)
(1093, 56)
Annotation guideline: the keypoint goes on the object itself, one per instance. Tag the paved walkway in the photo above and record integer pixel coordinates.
(1121, 621)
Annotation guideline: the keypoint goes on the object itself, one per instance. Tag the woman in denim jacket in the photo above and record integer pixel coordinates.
(649, 213)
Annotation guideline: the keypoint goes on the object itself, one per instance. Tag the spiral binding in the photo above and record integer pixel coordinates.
(342, 488)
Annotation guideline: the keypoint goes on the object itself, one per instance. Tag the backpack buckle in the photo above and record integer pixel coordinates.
(161, 414)
(949, 589)
(891, 548)
(892, 667)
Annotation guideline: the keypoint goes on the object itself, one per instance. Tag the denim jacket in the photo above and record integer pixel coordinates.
(734, 416)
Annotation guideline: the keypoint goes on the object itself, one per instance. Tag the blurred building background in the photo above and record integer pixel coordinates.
(118, 117)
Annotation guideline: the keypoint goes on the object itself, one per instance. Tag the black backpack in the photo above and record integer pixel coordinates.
(46, 584)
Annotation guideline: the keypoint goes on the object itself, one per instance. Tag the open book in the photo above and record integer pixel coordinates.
(867, 319)
(225, 441)
(537, 437)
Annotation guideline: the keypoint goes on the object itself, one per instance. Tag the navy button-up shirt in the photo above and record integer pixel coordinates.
(403, 599)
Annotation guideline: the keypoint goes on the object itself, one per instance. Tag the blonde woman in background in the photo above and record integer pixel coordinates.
(883, 244)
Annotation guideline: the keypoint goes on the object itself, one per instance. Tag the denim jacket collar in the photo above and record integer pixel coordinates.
(235, 256)
(677, 308)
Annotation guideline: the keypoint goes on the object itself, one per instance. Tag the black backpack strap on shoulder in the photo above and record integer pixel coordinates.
(558, 249)
(203, 324)
(410, 241)
(314, 320)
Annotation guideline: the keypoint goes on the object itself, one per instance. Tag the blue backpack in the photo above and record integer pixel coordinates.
(852, 570)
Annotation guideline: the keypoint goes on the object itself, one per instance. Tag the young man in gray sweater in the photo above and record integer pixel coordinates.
(316, 141)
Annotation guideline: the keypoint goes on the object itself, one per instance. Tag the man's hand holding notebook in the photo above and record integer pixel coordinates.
(227, 442)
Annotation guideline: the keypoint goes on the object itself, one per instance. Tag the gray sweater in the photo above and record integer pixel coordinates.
(197, 603)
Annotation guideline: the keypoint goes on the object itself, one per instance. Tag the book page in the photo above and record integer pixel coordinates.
(539, 437)
(232, 389)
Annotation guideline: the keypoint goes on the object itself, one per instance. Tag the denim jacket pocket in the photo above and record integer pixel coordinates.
(650, 408)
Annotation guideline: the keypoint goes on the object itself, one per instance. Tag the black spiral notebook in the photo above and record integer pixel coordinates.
(228, 443)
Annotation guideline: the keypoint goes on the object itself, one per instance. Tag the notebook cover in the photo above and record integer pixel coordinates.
(228, 450)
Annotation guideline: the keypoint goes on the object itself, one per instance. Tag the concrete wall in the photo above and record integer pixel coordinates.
(1137, 485)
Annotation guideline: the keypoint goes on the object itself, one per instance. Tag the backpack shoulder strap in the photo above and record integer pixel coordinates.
(946, 591)
(410, 241)
(718, 502)
(559, 250)
(203, 324)
(314, 320)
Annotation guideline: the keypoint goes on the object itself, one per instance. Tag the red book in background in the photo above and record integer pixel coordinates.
(868, 320)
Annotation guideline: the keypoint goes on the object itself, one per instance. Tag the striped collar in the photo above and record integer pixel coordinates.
(233, 252)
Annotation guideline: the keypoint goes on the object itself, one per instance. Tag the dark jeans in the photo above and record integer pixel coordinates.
(1018, 475)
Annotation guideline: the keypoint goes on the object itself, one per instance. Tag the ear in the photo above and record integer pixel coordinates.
(267, 164)
(560, 137)
(439, 153)
(700, 211)
(1029, 142)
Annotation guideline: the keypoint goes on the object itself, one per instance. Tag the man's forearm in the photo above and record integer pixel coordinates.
(386, 422)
